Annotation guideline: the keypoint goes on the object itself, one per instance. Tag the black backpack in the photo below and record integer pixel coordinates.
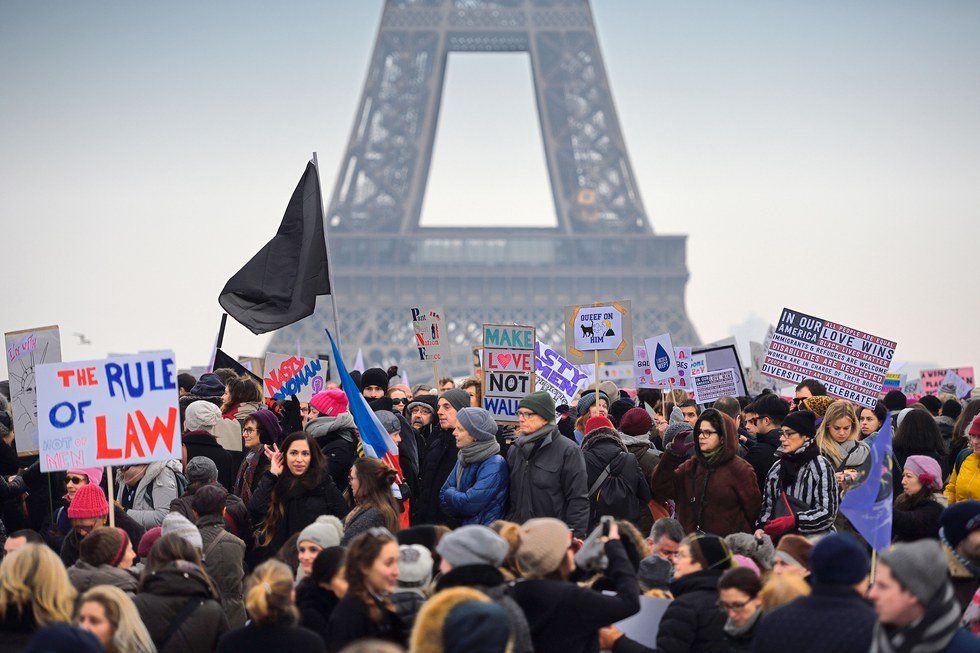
(613, 493)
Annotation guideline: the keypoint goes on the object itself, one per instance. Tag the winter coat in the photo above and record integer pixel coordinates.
(69, 545)
(564, 617)
(917, 522)
(149, 501)
(337, 439)
(548, 479)
(164, 595)
(692, 621)
(435, 465)
(832, 618)
(648, 456)
(351, 621)
(224, 560)
(84, 576)
(264, 638)
(720, 497)
(16, 629)
(407, 602)
(964, 484)
(202, 443)
(761, 454)
(185, 503)
(482, 496)
(603, 447)
(815, 489)
(315, 605)
(302, 507)
(489, 580)
(362, 522)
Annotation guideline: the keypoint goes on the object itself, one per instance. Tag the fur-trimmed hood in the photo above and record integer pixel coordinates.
(427, 635)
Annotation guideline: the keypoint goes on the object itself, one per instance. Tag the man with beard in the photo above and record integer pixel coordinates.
(421, 412)
(438, 459)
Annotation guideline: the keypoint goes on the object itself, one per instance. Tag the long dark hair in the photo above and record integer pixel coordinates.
(374, 480)
(919, 432)
(363, 551)
(288, 485)
(962, 424)
(169, 550)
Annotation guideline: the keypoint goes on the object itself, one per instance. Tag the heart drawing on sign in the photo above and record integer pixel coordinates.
(504, 359)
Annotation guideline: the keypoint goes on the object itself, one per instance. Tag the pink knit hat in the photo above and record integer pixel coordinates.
(88, 502)
(926, 469)
(94, 474)
(330, 403)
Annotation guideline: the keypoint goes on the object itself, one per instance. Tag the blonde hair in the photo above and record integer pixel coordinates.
(432, 617)
(827, 445)
(780, 589)
(269, 594)
(129, 634)
(34, 577)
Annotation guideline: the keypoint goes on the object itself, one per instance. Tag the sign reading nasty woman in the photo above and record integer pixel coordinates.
(118, 411)
(508, 368)
(851, 364)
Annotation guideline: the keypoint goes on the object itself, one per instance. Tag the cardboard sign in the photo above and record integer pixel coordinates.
(714, 358)
(603, 327)
(287, 375)
(116, 411)
(508, 368)
(663, 363)
(851, 364)
(556, 375)
(932, 379)
(712, 386)
(953, 384)
(643, 626)
(25, 351)
(430, 330)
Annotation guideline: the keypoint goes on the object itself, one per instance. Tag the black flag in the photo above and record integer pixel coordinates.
(221, 359)
(279, 285)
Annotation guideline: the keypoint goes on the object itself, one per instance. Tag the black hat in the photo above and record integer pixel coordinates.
(896, 400)
(801, 421)
(375, 376)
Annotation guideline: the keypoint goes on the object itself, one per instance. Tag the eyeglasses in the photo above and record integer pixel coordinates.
(731, 607)
(249, 429)
(524, 414)
(798, 400)
(707, 433)
(77, 480)
(399, 401)
(788, 433)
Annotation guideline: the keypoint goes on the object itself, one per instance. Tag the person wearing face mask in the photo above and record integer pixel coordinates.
(366, 610)
(293, 492)
(475, 492)
(105, 557)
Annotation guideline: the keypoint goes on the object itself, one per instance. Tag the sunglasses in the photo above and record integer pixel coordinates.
(399, 401)
(77, 480)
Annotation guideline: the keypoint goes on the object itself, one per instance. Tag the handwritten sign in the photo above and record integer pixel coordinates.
(851, 364)
(712, 386)
(508, 368)
(117, 411)
(289, 374)
(430, 331)
(556, 375)
(932, 379)
(25, 351)
(603, 327)
(953, 384)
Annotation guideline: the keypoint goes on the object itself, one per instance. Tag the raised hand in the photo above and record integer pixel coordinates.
(275, 459)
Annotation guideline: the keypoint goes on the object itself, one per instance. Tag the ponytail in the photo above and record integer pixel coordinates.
(269, 594)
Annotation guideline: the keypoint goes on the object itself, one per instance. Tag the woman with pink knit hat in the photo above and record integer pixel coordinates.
(919, 506)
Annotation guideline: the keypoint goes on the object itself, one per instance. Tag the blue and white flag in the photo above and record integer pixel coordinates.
(869, 505)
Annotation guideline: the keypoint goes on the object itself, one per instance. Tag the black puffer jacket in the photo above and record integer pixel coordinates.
(302, 506)
(315, 604)
(602, 447)
(164, 595)
(435, 466)
(693, 621)
(202, 443)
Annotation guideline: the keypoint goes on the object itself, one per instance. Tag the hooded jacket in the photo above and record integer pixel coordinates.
(482, 495)
(162, 597)
(548, 479)
(84, 576)
(337, 439)
(149, 502)
(603, 447)
(719, 496)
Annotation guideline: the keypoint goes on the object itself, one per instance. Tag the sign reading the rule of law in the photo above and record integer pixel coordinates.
(851, 364)
(287, 375)
(117, 411)
(430, 330)
(508, 368)
(603, 327)
(556, 375)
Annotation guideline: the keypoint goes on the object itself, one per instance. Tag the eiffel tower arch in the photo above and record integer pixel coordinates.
(603, 246)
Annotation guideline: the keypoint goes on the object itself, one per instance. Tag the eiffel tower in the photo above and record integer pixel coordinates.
(603, 246)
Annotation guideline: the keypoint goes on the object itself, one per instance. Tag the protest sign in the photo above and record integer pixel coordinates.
(25, 351)
(893, 381)
(508, 368)
(851, 364)
(663, 363)
(287, 375)
(932, 379)
(603, 328)
(712, 386)
(615, 371)
(643, 626)
(641, 368)
(953, 384)
(713, 358)
(556, 375)
(430, 331)
(118, 411)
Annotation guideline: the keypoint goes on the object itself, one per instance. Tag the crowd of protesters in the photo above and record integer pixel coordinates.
(273, 532)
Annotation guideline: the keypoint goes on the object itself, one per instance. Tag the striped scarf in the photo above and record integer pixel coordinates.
(931, 634)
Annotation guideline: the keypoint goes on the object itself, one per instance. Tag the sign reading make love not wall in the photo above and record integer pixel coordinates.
(508, 368)
(117, 411)
(851, 364)
(287, 375)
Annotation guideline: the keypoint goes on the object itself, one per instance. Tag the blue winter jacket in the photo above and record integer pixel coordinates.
(483, 497)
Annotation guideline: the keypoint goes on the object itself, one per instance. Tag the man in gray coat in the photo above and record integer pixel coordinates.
(547, 470)
(223, 553)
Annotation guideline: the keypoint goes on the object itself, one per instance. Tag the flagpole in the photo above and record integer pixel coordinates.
(326, 243)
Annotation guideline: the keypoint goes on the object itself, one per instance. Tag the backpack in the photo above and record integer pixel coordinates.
(961, 456)
(182, 484)
(612, 494)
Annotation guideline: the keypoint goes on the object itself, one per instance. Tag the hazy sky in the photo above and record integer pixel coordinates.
(824, 156)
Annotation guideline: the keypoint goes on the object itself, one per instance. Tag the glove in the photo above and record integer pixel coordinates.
(774, 528)
(681, 446)
(291, 420)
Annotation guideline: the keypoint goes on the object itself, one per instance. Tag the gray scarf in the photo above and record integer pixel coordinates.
(741, 631)
(524, 441)
(474, 454)
(931, 633)
(322, 426)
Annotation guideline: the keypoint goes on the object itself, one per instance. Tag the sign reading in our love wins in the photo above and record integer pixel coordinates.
(118, 411)
(508, 368)
(603, 327)
(556, 375)
(287, 375)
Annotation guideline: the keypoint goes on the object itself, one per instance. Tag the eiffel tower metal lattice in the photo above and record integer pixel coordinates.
(602, 248)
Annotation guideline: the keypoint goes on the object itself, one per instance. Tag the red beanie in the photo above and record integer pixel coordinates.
(148, 540)
(975, 426)
(597, 422)
(330, 403)
(88, 502)
(636, 422)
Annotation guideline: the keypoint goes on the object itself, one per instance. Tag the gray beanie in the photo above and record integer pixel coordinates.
(175, 523)
(478, 423)
(325, 532)
(676, 429)
(919, 566)
(655, 573)
(389, 421)
(201, 469)
(414, 565)
(457, 398)
(473, 545)
(586, 401)
(201, 416)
